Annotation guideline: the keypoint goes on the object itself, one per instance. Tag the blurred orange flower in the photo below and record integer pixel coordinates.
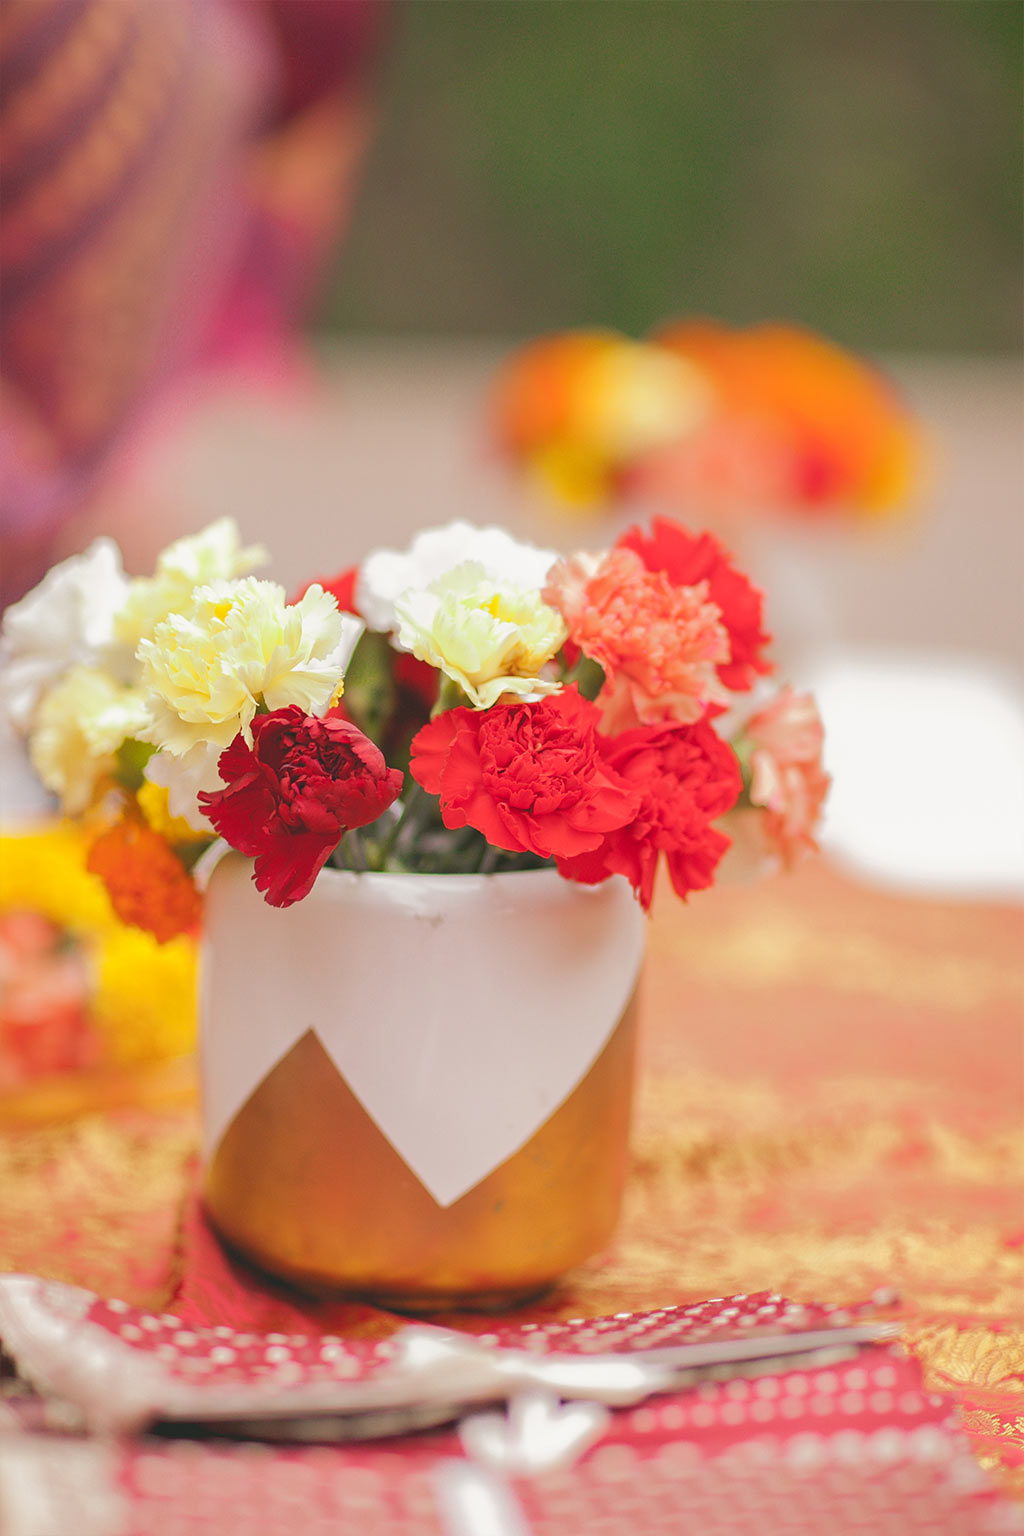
(810, 426)
(699, 417)
(147, 884)
(575, 408)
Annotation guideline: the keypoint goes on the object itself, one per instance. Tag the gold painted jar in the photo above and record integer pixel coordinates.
(417, 1088)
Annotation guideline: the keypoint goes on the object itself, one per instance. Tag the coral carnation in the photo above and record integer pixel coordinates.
(685, 777)
(148, 885)
(784, 742)
(687, 559)
(291, 796)
(660, 645)
(528, 776)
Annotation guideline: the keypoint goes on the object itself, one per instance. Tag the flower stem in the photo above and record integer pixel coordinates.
(488, 859)
(353, 852)
(449, 696)
(403, 826)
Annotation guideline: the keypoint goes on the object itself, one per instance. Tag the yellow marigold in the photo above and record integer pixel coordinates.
(148, 885)
(145, 1000)
(44, 870)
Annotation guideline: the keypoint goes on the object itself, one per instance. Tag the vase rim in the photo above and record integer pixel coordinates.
(331, 874)
(339, 880)
(329, 871)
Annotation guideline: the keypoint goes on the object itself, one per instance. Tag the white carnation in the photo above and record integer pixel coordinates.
(66, 621)
(183, 777)
(489, 637)
(387, 574)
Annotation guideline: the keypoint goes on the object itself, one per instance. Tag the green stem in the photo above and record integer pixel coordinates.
(404, 825)
(352, 852)
(488, 859)
(449, 696)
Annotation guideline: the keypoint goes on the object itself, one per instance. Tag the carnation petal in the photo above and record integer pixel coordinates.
(489, 637)
(184, 777)
(286, 868)
(291, 793)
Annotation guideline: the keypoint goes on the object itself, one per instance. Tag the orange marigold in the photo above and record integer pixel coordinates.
(148, 885)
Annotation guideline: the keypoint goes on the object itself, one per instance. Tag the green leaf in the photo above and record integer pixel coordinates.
(369, 695)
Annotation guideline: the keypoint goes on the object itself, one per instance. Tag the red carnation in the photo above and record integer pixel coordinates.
(529, 776)
(293, 793)
(342, 588)
(687, 559)
(685, 777)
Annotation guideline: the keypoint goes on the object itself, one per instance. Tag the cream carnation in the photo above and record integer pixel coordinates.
(387, 574)
(78, 727)
(66, 621)
(489, 637)
(214, 554)
(207, 672)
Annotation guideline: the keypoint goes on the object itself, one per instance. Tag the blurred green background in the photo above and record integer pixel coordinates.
(538, 164)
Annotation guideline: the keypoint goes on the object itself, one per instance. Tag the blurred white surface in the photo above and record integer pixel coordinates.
(927, 757)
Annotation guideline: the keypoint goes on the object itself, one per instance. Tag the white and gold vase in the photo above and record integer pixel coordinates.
(417, 1088)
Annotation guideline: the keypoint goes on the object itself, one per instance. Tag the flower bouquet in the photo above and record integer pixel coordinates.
(471, 707)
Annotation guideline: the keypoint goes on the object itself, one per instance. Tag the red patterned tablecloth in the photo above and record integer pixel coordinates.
(830, 1101)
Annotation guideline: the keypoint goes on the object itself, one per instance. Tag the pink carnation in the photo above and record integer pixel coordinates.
(787, 780)
(660, 645)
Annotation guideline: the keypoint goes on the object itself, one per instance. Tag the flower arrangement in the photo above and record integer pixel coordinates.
(472, 703)
(769, 421)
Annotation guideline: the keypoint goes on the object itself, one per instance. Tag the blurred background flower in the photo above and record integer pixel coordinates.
(79, 990)
(718, 424)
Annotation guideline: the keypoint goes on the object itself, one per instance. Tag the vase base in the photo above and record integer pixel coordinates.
(430, 1303)
(414, 1303)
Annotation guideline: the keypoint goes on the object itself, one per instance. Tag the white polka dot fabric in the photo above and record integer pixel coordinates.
(858, 1447)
